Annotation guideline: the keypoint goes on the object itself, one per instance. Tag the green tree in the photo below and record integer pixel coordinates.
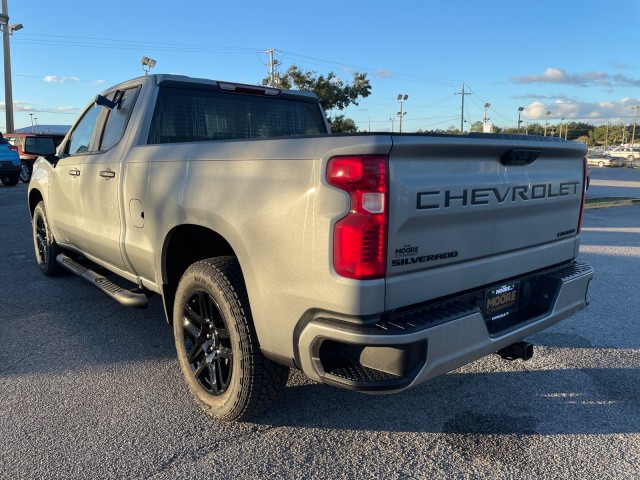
(534, 129)
(340, 124)
(576, 129)
(476, 127)
(333, 92)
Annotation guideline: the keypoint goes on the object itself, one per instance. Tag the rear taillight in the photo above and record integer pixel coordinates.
(585, 179)
(360, 238)
(13, 147)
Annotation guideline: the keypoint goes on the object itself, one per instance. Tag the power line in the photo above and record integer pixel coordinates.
(405, 76)
(75, 41)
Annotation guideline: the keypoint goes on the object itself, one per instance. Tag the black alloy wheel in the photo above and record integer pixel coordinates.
(46, 248)
(41, 240)
(207, 343)
(217, 344)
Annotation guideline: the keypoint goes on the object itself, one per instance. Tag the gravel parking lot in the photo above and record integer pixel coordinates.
(89, 389)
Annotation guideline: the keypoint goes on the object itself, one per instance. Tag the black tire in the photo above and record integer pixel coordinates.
(217, 346)
(10, 179)
(45, 246)
(25, 172)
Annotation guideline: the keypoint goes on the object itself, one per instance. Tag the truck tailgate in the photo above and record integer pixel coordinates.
(469, 211)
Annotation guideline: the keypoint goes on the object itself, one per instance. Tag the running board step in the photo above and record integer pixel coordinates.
(119, 294)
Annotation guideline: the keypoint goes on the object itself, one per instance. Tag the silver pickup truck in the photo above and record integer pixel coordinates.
(371, 262)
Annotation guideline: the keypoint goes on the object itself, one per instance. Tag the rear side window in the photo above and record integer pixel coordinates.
(185, 115)
(118, 118)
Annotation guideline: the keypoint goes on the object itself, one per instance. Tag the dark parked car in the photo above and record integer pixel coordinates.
(18, 139)
(628, 156)
(9, 163)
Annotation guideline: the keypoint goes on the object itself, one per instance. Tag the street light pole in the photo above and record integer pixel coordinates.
(401, 99)
(560, 132)
(486, 107)
(546, 122)
(520, 109)
(8, 95)
(392, 119)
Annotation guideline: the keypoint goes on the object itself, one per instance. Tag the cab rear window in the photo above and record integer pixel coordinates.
(190, 115)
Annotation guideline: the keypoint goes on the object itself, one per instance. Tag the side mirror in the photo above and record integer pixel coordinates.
(43, 146)
(110, 104)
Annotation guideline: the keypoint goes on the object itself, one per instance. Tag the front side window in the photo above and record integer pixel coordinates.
(80, 140)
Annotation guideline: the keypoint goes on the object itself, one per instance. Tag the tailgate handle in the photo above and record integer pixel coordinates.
(519, 156)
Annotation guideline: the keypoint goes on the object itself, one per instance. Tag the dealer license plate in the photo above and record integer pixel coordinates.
(500, 301)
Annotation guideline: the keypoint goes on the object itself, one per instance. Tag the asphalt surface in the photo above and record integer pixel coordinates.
(614, 182)
(89, 389)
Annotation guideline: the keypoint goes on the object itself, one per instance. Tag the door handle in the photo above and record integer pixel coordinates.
(107, 173)
(74, 172)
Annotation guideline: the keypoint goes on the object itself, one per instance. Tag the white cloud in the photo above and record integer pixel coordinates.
(56, 79)
(605, 110)
(67, 109)
(19, 106)
(619, 65)
(380, 73)
(586, 79)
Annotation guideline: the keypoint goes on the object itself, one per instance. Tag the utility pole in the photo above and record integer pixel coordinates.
(273, 80)
(462, 108)
(606, 137)
(560, 132)
(635, 117)
(623, 132)
(486, 107)
(8, 95)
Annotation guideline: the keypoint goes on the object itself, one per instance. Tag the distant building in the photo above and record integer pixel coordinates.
(487, 128)
(61, 129)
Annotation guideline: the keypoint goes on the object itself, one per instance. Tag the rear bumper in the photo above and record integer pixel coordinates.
(407, 348)
(7, 168)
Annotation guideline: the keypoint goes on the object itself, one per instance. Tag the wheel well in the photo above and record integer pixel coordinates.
(35, 197)
(186, 245)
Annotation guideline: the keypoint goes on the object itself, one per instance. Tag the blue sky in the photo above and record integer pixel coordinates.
(579, 60)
